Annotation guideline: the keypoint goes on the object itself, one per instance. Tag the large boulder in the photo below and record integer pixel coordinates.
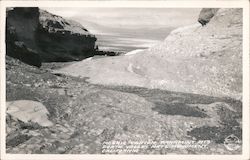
(51, 37)
(29, 111)
(206, 14)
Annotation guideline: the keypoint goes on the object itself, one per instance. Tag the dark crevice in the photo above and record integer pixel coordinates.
(178, 109)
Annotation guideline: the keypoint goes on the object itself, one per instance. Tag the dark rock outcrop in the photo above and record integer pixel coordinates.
(46, 37)
(19, 50)
(19, 39)
(206, 14)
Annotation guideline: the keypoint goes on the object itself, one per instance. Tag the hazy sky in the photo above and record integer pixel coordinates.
(130, 17)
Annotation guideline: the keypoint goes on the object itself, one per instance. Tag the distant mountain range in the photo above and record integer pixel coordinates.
(139, 32)
(126, 38)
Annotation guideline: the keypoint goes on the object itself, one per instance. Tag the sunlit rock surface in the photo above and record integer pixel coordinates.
(194, 59)
(29, 111)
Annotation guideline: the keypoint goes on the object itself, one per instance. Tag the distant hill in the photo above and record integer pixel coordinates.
(126, 39)
(141, 32)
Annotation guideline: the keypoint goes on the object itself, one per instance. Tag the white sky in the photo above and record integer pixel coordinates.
(131, 17)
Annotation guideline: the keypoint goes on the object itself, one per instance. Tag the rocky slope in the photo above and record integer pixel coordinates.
(84, 118)
(194, 59)
(34, 36)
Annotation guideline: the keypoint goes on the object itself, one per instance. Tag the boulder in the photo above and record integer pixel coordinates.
(48, 36)
(29, 111)
(206, 14)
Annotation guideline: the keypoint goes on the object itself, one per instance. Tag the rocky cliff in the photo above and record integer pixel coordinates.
(34, 36)
(194, 59)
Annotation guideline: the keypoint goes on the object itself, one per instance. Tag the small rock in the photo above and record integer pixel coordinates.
(61, 150)
(34, 133)
(64, 136)
(61, 91)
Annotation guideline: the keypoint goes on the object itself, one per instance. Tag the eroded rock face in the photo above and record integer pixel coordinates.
(19, 50)
(49, 36)
(20, 37)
